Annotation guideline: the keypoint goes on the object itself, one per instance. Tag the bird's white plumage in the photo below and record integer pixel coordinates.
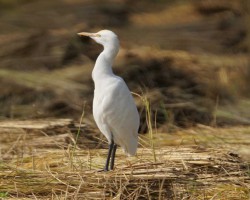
(114, 109)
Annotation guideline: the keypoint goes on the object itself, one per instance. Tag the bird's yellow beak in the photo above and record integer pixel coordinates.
(89, 34)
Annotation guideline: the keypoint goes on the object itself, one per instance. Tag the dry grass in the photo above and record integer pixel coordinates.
(180, 13)
(194, 44)
(51, 168)
(179, 172)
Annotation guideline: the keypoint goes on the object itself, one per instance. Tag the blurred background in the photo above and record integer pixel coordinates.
(190, 59)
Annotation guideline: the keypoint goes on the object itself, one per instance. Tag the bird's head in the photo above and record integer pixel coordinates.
(103, 37)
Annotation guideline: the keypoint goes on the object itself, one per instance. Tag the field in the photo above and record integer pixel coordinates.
(41, 161)
(187, 65)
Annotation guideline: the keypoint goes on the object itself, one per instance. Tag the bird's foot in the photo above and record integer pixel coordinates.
(103, 170)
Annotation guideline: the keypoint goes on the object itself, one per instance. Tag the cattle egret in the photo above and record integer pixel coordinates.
(114, 109)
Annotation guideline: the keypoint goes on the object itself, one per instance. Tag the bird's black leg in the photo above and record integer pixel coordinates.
(111, 146)
(113, 157)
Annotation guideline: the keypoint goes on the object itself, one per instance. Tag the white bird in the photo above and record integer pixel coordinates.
(114, 109)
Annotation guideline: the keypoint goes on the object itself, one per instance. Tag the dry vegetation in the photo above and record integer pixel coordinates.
(41, 161)
(172, 61)
(188, 59)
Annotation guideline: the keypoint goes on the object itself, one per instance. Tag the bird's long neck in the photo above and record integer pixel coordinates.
(104, 62)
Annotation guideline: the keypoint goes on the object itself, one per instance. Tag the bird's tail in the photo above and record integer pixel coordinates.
(131, 147)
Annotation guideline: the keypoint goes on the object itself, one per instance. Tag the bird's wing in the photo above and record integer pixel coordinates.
(120, 114)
